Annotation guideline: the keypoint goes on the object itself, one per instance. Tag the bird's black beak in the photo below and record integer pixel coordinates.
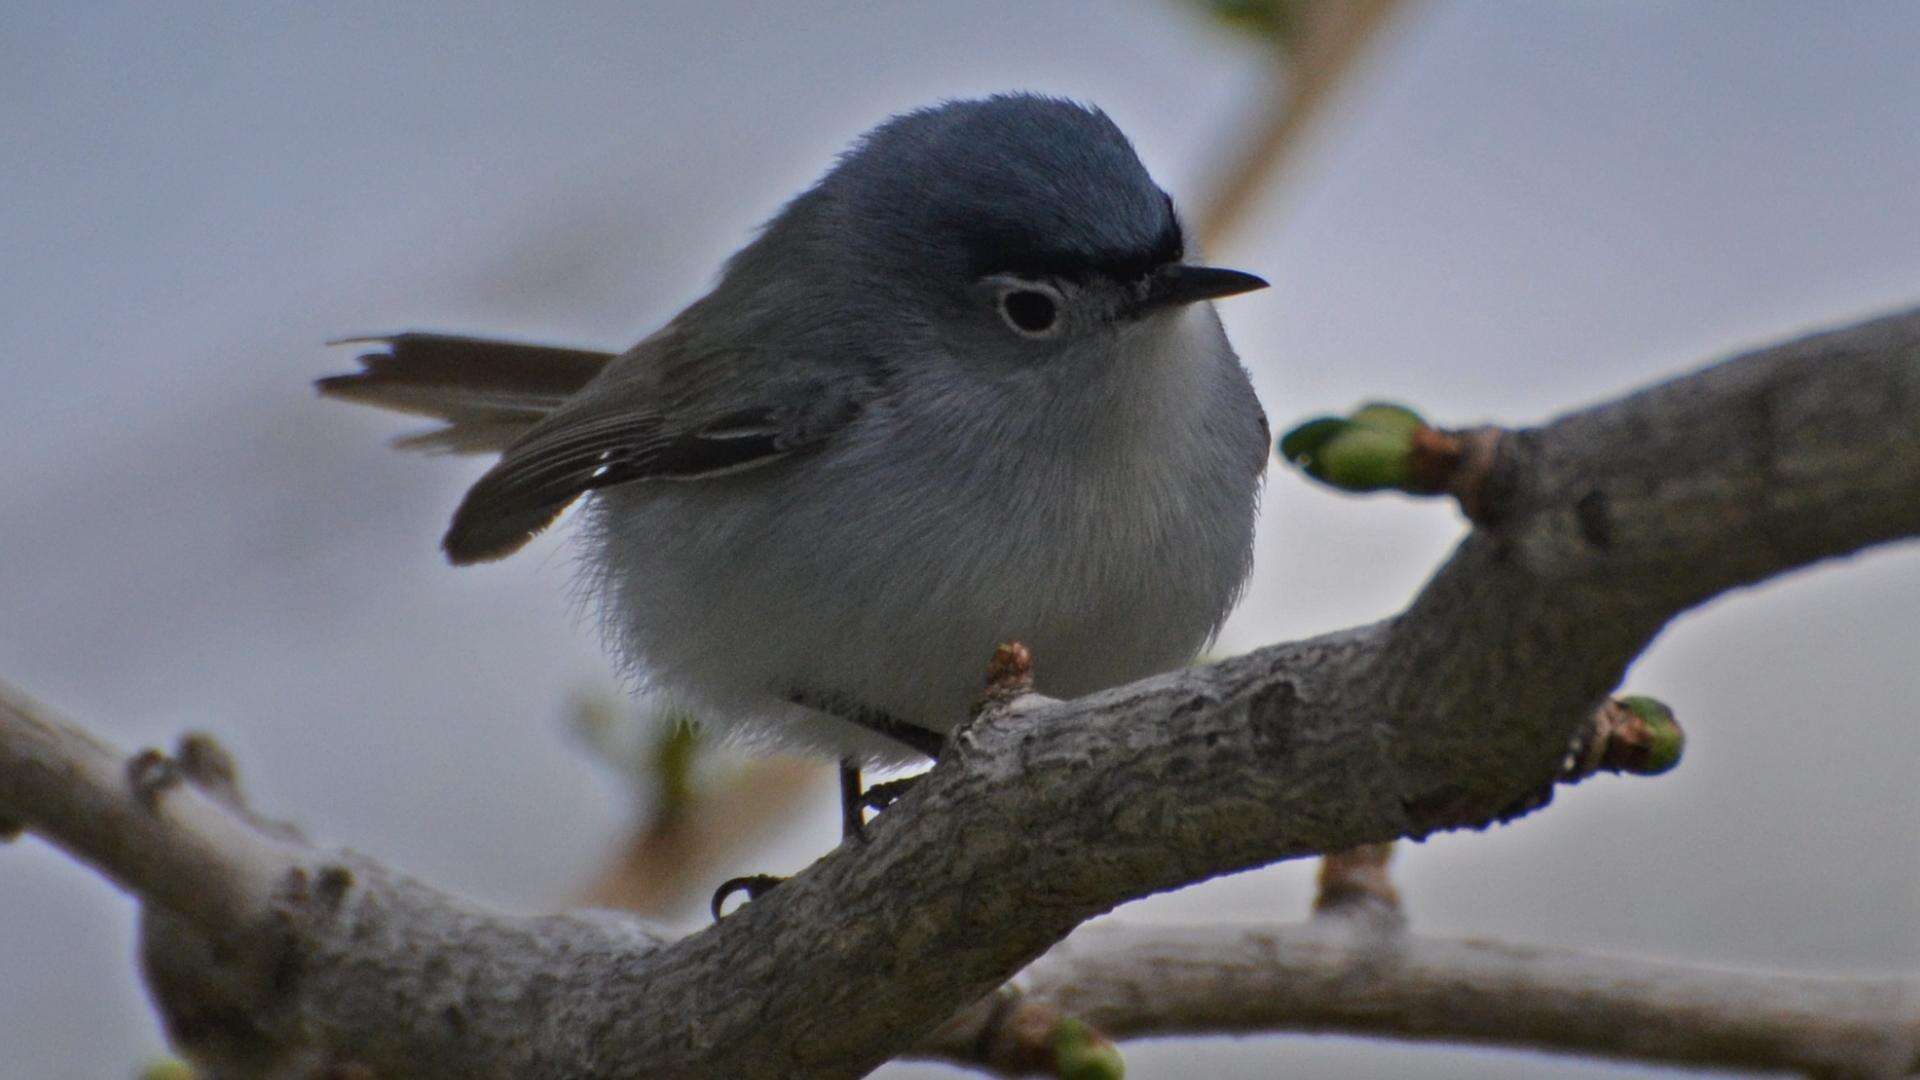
(1178, 283)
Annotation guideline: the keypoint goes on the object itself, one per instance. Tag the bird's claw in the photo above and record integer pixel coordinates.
(880, 796)
(754, 885)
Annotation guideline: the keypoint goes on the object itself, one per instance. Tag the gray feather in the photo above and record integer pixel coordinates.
(653, 414)
(488, 392)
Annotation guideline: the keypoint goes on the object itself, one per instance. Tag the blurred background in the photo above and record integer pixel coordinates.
(1505, 211)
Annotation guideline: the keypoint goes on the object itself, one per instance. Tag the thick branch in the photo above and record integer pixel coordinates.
(1336, 975)
(1595, 530)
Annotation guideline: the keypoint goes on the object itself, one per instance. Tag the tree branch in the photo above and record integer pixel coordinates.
(1333, 974)
(1318, 55)
(1595, 530)
(133, 820)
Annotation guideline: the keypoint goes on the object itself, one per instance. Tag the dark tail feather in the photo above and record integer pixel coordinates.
(487, 392)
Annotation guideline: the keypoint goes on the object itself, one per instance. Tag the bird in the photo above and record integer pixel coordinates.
(967, 388)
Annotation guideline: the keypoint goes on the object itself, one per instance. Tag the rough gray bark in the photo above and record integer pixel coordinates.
(1594, 531)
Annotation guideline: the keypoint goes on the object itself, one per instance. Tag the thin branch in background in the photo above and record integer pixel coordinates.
(665, 867)
(1316, 46)
(1332, 974)
(706, 806)
(1355, 884)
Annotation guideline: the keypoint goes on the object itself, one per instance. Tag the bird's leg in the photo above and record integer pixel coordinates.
(853, 805)
(855, 800)
(885, 794)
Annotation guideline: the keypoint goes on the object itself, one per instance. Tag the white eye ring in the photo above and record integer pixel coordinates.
(1030, 309)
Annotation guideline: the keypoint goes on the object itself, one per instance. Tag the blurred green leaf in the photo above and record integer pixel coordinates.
(1081, 1053)
(168, 1069)
(1276, 22)
(675, 749)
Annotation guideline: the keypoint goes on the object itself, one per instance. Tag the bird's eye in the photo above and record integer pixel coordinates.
(1030, 312)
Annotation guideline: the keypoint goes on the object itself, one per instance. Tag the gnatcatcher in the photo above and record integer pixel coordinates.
(963, 390)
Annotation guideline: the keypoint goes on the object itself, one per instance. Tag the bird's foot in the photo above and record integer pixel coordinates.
(882, 795)
(856, 800)
(754, 886)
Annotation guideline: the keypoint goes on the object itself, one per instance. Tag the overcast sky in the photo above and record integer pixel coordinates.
(1515, 210)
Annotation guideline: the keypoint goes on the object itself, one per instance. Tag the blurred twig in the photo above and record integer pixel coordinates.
(1339, 975)
(666, 866)
(1316, 44)
(1355, 884)
(701, 812)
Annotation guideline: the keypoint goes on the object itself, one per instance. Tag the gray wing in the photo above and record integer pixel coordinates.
(657, 414)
